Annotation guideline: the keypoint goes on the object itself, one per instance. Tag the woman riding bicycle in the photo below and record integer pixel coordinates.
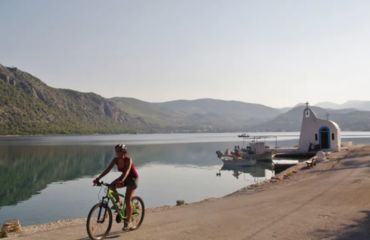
(129, 178)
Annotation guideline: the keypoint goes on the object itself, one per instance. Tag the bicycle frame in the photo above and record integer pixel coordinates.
(101, 212)
(111, 196)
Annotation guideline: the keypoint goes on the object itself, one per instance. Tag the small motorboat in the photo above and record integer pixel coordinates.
(249, 155)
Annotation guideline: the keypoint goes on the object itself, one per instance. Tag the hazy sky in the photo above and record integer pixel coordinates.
(274, 52)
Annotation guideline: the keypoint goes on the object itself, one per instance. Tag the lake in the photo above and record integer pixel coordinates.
(47, 178)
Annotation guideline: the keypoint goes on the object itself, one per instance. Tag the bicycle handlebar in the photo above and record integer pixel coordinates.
(98, 184)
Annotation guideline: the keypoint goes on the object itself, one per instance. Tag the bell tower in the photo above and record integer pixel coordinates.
(307, 111)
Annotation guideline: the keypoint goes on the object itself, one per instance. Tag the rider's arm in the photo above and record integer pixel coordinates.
(107, 170)
(126, 171)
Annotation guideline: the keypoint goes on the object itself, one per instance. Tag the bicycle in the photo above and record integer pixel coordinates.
(104, 217)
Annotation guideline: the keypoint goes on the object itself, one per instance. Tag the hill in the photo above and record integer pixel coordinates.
(29, 106)
(198, 115)
(354, 104)
(348, 119)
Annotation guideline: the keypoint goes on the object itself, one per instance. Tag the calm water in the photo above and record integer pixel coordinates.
(49, 178)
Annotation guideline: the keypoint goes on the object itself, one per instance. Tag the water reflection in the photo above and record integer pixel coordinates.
(30, 173)
(26, 170)
(257, 171)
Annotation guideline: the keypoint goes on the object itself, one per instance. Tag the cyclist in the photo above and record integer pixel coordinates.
(128, 178)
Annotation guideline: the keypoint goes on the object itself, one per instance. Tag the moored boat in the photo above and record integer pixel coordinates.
(249, 155)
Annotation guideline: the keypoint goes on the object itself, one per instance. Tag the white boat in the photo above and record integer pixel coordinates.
(238, 162)
(249, 155)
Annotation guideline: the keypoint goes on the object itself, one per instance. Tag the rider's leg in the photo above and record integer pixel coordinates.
(114, 186)
(129, 194)
(116, 196)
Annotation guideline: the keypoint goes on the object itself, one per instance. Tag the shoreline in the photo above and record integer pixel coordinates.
(72, 221)
(123, 133)
(275, 186)
(61, 223)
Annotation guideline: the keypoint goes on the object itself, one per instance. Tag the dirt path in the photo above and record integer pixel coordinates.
(329, 201)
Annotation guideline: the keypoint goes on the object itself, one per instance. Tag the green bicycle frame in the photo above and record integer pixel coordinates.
(111, 196)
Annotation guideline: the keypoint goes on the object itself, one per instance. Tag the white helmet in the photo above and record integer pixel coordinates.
(120, 147)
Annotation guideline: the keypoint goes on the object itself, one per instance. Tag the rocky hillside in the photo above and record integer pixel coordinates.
(29, 106)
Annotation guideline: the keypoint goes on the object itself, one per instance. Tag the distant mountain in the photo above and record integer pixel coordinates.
(358, 105)
(198, 115)
(29, 106)
(329, 105)
(348, 119)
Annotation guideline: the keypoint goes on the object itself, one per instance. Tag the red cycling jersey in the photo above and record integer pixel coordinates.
(132, 171)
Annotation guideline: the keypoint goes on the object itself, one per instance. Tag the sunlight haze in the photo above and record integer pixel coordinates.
(277, 53)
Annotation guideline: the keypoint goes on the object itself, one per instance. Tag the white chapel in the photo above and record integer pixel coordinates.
(318, 134)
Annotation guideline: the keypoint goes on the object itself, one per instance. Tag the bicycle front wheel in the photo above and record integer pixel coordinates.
(99, 221)
(138, 212)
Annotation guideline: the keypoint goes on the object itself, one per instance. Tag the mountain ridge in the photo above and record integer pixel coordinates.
(29, 106)
(347, 119)
(361, 105)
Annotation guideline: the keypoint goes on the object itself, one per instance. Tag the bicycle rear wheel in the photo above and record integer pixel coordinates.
(99, 221)
(138, 212)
